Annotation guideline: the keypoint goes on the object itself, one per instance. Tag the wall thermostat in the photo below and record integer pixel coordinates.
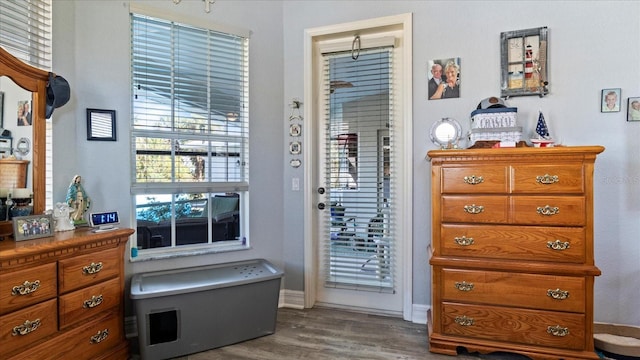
(103, 221)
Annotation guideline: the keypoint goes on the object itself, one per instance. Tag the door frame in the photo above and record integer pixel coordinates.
(405, 140)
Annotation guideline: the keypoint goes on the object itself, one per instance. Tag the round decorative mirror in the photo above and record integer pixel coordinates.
(23, 146)
(446, 133)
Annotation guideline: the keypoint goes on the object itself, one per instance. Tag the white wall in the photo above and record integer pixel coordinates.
(592, 45)
(91, 49)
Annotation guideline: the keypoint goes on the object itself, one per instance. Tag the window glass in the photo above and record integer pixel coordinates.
(195, 218)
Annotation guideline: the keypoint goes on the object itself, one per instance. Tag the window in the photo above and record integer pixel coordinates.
(25, 31)
(189, 133)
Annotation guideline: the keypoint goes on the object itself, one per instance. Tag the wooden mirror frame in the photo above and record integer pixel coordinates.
(34, 80)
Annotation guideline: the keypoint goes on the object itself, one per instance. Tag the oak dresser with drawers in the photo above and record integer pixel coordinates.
(512, 254)
(61, 297)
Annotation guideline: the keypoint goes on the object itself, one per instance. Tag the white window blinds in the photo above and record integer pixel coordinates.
(190, 107)
(25, 31)
(359, 246)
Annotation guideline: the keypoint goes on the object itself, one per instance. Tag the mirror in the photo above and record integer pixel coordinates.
(16, 74)
(23, 147)
(446, 133)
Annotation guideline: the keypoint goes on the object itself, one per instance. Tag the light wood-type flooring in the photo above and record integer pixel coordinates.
(327, 334)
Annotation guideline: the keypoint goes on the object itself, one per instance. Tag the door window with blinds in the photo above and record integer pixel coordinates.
(189, 134)
(358, 243)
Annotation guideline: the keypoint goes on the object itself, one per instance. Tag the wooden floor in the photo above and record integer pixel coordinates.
(326, 334)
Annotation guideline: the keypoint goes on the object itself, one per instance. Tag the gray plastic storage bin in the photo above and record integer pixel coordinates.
(190, 310)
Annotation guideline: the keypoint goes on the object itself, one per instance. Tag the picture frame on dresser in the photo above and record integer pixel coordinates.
(32, 227)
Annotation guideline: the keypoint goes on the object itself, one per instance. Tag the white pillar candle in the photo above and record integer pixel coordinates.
(21, 193)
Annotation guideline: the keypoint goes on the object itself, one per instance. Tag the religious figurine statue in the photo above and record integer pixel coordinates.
(78, 200)
(61, 218)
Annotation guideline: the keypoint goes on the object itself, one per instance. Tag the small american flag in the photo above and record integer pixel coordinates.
(541, 128)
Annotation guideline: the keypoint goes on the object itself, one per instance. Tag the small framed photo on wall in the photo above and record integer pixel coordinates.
(610, 100)
(633, 109)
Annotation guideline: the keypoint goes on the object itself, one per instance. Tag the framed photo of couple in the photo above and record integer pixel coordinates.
(443, 78)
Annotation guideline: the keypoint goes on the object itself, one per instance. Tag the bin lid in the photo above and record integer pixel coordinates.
(201, 278)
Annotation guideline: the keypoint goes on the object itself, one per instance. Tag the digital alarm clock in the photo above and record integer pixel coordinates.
(104, 221)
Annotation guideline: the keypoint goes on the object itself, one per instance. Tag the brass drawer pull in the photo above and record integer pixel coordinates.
(473, 180)
(26, 328)
(92, 268)
(26, 288)
(557, 330)
(464, 286)
(99, 337)
(548, 210)
(558, 245)
(547, 179)
(463, 320)
(93, 302)
(473, 209)
(463, 241)
(558, 294)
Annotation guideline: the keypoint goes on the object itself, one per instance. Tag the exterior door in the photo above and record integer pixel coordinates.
(357, 246)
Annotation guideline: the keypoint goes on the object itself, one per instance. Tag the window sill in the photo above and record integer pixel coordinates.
(172, 253)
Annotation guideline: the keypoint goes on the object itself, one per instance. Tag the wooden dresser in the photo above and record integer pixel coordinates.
(62, 297)
(512, 251)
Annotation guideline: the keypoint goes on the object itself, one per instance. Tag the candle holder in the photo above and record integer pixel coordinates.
(21, 207)
(4, 214)
(8, 204)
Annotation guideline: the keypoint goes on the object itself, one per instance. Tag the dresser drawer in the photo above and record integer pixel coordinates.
(548, 210)
(22, 328)
(84, 342)
(531, 327)
(534, 243)
(474, 179)
(25, 287)
(89, 269)
(475, 209)
(533, 291)
(85, 303)
(544, 179)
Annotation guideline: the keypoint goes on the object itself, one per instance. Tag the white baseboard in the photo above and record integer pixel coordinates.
(419, 313)
(291, 299)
